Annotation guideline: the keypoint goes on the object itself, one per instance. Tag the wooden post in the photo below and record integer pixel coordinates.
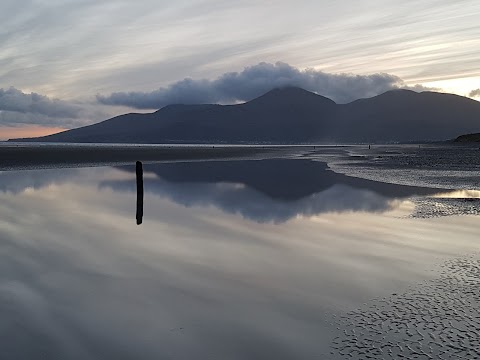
(139, 171)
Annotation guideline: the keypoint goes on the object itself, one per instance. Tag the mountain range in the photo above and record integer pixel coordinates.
(291, 115)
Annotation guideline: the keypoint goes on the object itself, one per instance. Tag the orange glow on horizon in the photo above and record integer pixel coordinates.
(27, 131)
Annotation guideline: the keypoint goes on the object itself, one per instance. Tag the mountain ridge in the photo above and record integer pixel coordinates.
(291, 115)
(468, 138)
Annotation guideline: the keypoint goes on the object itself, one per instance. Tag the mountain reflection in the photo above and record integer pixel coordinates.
(273, 190)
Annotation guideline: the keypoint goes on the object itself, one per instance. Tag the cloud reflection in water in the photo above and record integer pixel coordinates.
(79, 280)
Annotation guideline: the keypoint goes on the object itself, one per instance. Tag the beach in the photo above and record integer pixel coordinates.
(234, 264)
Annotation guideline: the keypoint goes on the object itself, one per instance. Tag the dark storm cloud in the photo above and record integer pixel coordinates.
(254, 81)
(474, 93)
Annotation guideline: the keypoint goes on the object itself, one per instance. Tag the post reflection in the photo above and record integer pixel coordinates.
(139, 171)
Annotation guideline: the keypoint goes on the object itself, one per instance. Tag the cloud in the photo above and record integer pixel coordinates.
(474, 93)
(15, 100)
(18, 108)
(254, 81)
(17, 119)
(122, 45)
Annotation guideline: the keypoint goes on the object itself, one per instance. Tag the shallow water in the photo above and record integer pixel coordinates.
(273, 258)
(440, 166)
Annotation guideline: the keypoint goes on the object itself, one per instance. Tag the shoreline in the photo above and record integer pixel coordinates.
(45, 156)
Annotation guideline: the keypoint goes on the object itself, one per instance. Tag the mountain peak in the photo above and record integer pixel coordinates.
(290, 94)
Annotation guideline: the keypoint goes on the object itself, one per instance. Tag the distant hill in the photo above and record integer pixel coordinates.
(291, 115)
(468, 138)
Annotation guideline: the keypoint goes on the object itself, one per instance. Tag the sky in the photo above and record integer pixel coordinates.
(69, 63)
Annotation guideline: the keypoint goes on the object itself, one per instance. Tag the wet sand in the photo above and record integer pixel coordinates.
(36, 156)
(204, 282)
(435, 320)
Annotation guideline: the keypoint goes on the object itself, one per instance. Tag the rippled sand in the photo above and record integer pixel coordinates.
(438, 319)
(431, 207)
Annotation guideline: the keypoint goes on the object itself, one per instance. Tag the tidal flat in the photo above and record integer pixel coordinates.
(291, 253)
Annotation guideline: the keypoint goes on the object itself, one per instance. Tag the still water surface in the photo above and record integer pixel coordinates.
(261, 259)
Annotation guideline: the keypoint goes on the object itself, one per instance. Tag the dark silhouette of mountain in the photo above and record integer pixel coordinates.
(467, 138)
(405, 115)
(292, 115)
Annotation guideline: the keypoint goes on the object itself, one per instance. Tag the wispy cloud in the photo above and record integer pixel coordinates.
(75, 48)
